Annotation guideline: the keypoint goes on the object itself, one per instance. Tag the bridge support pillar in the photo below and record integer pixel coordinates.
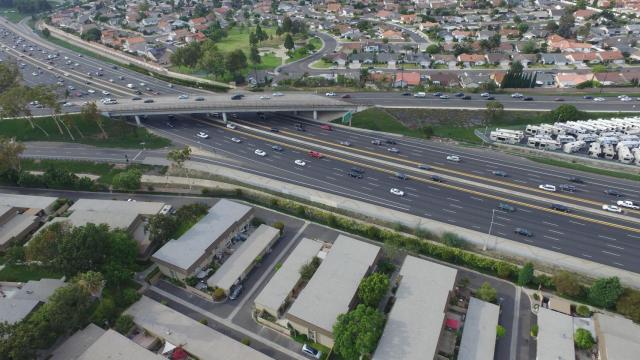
(224, 117)
(137, 117)
(315, 114)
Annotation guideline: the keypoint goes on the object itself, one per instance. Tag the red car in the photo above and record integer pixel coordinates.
(315, 154)
(326, 127)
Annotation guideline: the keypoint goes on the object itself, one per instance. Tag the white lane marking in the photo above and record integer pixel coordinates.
(449, 211)
(433, 188)
(475, 226)
(503, 234)
(524, 210)
(451, 220)
(519, 181)
(476, 198)
(548, 223)
(557, 248)
(372, 184)
(366, 188)
(617, 263)
(374, 179)
(330, 178)
(498, 224)
(610, 253)
(455, 206)
(427, 215)
(477, 172)
(336, 169)
(615, 247)
(533, 175)
(587, 256)
(633, 236)
(550, 237)
(579, 223)
(607, 237)
(556, 232)
(410, 188)
(503, 218)
(452, 199)
(410, 194)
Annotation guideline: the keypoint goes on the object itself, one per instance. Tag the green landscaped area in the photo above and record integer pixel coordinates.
(585, 168)
(316, 42)
(321, 64)
(24, 273)
(105, 171)
(12, 15)
(379, 120)
(238, 38)
(269, 61)
(120, 133)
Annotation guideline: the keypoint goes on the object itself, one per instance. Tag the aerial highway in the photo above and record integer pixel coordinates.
(582, 234)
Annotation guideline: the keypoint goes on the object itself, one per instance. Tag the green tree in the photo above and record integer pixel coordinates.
(487, 293)
(433, 49)
(46, 33)
(567, 284)
(9, 76)
(629, 304)
(129, 180)
(286, 24)
(505, 270)
(254, 55)
(494, 111)
(235, 61)
(161, 228)
(551, 26)
(583, 310)
(566, 112)
(280, 226)
(356, 333)
(307, 270)
(599, 69)
(529, 47)
(373, 288)
(179, 156)
(90, 112)
(10, 151)
(92, 281)
(605, 292)
(566, 24)
(92, 35)
(124, 323)
(583, 339)
(525, 275)
(288, 42)
(522, 28)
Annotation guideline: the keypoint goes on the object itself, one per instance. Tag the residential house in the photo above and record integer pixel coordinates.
(478, 336)
(570, 80)
(484, 34)
(555, 335)
(474, 80)
(20, 215)
(18, 300)
(335, 8)
(617, 337)
(546, 79)
(472, 59)
(500, 59)
(582, 15)
(160, 55)
(447, 79)
(407, 79)
(553, 59)
(525, 59)
(392, 35)
(425, 26)
(408, 18)
(136, 45)
(461, 34)
(611, 79)
(579, 58)
(614, 56)
(506, 33)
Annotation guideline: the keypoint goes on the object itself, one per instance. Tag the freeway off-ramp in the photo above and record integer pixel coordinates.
(597, 242)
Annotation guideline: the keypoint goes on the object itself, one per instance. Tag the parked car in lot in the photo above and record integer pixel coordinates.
(308, 350)
(628, 204)
(523, 232)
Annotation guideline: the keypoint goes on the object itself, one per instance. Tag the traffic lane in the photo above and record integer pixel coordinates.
(467, 216)
(500, 97)
(475, 170)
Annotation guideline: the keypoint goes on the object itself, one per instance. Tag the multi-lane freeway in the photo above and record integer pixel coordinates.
(582, 233)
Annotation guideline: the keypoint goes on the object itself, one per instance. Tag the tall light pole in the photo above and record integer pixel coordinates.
(493, 214)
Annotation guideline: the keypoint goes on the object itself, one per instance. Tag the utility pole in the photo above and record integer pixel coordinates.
(493, 213)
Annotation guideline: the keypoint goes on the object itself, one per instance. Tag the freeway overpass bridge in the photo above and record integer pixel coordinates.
(223, 103)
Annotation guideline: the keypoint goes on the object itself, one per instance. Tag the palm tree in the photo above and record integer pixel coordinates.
(93, 282)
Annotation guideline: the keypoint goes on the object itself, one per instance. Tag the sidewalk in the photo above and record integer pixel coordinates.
(497, 245)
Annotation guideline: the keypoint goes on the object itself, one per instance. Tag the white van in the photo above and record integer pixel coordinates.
(131, 86)
(420, 94)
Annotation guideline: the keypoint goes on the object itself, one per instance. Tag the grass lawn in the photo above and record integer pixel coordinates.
(121, 134)
(269, 61)
(238, 38)
(585, 168)
(106, 171)
(12, 15)
(321, 64)
(316, 42)
(24, 273)
(379, 120)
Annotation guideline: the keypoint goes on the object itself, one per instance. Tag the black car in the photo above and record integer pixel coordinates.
(199, 99)
(613, 192)
(148, 101)
(406, 94)
(527, 98)
(588, 97)
(506, 207)
(523, 232)
(567, 188)
(136, 98)
(390, 141)
(491, 98)
(354, 174)
(438, 94)
(402, 176)
(357, 170)
(276, 148)
(138, 92)
(577, 180)
(559, 207)
(274, 129)
(237, 97)
(235, 293)
(459, 94)
(436, 178)
(300, 127)
(424, 167)
(499, 173)
(466, 97)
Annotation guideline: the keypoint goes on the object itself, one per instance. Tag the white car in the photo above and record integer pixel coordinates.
(91, 91)
(264, 97)
(67, 104)
(454, 158)
(316, 354)
(236, 140)
(398, 192)
(547, 187)
(485, 94)
(612, 208)
(626, 98)
(202, 135)
(183, 97)
(277, 94)
(444, 97)
(105, 92)
(260, 152)
(110, 102)
(598, 99)
(300, 163)
(330, 94)
(516, 95)
(628, 204)
(35, 73)
(231, 126)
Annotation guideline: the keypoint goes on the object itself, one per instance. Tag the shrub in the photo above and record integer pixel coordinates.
(203, 321)
(525, 275)
(453, 240)
(505, 270)
(605, 292)
(218, 294)
(487, 293)
(629, 304)
(246, 341)
(583, 310)
(307, 270)
(386, 266)
(500, 331)
(124, 323)
(583, 339)
(567, 284)
(280, 226)
(373, 288)
(534, 331)
(256, 221)
(127, 297)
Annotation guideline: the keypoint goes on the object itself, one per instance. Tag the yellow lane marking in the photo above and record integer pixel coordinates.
(427, 181)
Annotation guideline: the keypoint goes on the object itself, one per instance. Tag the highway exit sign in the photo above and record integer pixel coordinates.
(346, 118)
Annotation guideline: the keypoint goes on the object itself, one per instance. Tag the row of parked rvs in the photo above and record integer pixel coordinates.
(612, 139)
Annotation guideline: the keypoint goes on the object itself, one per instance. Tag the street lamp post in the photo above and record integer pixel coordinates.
(493, 214)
